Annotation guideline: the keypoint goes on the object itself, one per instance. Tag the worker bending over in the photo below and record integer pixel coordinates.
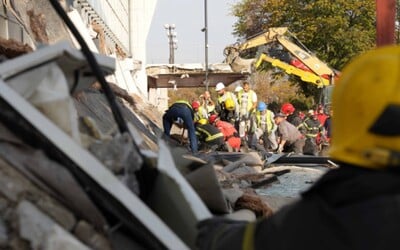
(181, 113)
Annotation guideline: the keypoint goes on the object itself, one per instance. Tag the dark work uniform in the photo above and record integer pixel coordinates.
(294, 119)
(209, 136)
(184, 111)
(311, 128)
(348, 208)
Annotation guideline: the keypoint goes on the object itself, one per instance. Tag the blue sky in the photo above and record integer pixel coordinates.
(188, 17)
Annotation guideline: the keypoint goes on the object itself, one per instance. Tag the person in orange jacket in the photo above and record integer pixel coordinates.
(231, 136)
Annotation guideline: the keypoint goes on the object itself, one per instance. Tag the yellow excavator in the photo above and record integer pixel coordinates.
(282, 50)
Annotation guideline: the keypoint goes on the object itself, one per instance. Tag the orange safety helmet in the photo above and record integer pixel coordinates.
(287, 108)
(212, 118)
(195, 104)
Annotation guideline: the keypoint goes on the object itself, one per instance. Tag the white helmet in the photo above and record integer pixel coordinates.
(219, 86)
(238, 88)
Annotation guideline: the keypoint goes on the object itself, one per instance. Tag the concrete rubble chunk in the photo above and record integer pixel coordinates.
(41, 231)
(86, 233)
(51, 178)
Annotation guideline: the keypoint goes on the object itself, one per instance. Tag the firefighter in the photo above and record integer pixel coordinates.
(291, 115)
(207, 103)
(181, 113)
(209, 136)
(266, 128)
(312, 130)
(354, 206)
(231, 136)
(227, 106)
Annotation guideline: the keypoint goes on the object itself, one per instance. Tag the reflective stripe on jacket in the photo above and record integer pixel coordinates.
(312, 127)
(208, 132)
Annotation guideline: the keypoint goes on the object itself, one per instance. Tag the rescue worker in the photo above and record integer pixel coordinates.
(182, 114)
(227, 106)
(266, 128)
(291, 115)
(247, 100)
(199, 111)
(209, 136)
(321, 115)
(289, 137)
(231, 136)
(354, 206)
(237, 90)
(207, 103)
(312, 130)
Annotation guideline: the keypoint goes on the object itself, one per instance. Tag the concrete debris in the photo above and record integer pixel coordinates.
(41, 231)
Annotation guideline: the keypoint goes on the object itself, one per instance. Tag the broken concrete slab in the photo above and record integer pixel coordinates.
(41, 231)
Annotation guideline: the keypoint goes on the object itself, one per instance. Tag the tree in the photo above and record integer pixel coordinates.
(335, 30)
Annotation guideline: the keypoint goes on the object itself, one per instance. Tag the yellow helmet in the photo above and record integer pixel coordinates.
(229, 104)
(202, 121)
(366, 108)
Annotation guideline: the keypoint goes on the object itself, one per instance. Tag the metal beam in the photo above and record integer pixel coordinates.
(194, 80)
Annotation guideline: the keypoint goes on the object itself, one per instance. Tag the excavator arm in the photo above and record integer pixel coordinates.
(264, 38)
(293, 58)
(305, 76)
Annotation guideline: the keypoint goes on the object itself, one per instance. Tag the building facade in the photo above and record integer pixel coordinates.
(118, 28)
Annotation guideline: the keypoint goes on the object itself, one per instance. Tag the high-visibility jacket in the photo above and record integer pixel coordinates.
(265, 121)
(224, 114)
(201, 113)
(249, 102)
(221, 100)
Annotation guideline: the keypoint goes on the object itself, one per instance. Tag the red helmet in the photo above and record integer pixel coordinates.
(287, 108)
(212, 118)
(195, 104)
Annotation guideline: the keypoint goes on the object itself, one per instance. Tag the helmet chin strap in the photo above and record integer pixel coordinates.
(382, 156)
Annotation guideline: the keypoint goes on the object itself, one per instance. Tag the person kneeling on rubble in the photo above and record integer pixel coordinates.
(354, 206)
(231, 136)
(209, 137)
(181, 113)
